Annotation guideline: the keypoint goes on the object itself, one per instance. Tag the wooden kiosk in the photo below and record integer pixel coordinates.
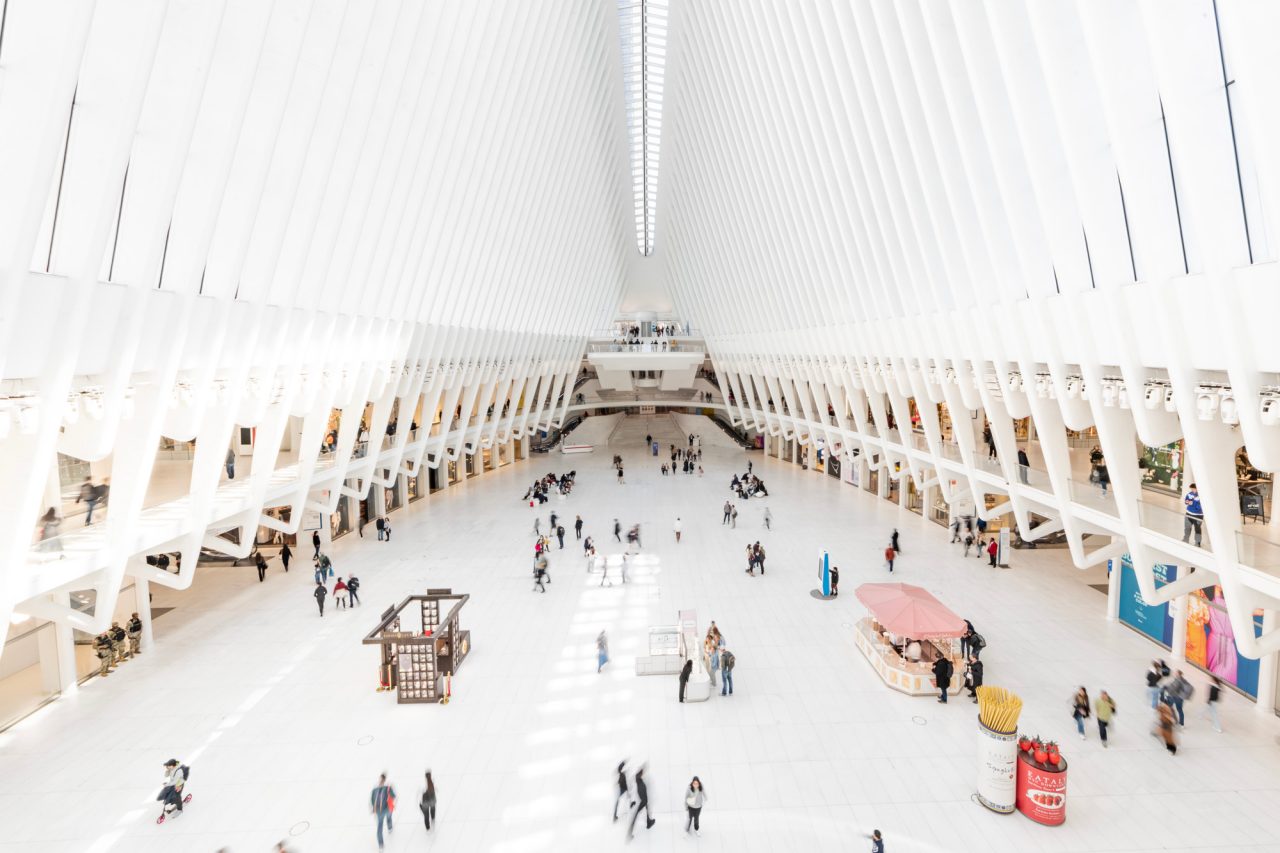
(421, 645)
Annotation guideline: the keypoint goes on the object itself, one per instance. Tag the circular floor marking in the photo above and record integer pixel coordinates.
(920, 721)
(365, 741)
(299, 828)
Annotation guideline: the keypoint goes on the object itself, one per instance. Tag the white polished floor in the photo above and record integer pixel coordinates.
(275, 707)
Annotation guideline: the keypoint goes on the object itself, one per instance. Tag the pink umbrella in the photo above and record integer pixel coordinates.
(909, 611)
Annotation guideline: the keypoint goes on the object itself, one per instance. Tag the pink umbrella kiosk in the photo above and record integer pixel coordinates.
(907, 631)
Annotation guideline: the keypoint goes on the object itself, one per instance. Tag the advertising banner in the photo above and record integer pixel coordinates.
(1211, 642)
(1152, 620)
(997, 764)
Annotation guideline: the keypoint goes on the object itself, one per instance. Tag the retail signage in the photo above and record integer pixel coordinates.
(1211, 643)
(1150, 619)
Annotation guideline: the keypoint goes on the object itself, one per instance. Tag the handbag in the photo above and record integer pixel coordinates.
(690, 799)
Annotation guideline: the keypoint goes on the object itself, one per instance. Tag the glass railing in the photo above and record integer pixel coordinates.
(1091, 495)
(1257, 553)
(1170, 522)
(920, 441)
(659, 346)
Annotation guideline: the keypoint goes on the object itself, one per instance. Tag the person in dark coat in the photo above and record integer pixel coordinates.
(684, 677)
(642, 804)
(942, 674)
(285, 556)
(622, 789)
(320, 593)
(973, 676)
(315, 540)
(262, 567)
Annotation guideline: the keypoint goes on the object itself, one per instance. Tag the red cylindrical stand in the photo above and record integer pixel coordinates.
(1042, 791)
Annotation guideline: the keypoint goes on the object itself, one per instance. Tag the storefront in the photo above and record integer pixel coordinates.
(452, 470)
(939, 511)
(470, 462)
(391, 494)
(1162, 468)
(1254, 488)
(834, 465)
(873, 482)
(435, 479)
(268, 536)
(340, 518)
(915, 498)
(416, 486)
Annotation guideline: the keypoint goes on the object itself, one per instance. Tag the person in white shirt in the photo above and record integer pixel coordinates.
(913, 652)
(678, 528)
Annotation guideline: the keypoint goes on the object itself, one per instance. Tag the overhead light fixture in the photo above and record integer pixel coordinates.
(1206, 405)
(1269, 406)
(1227, 409)
(1075, 387)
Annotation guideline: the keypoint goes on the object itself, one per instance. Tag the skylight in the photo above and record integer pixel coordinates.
(643, 26)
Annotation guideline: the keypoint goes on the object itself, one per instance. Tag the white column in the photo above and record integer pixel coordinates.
(47, 650)
(1178, 610)
(1113, 591)
(65, 643)
(142, 604)
(1267, 670)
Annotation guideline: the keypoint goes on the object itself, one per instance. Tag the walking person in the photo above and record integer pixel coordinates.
(942, 671)
(685, 672)
(320, 593)
(727, 662)
(877, 841)
(620, 480)
(1104, 478)
(1104, 709)
(340, 594)
(1180, 690)
(602, 651)
(353, 590)
(955, 531)
(968, 543)
(760, 558)
(577, 527)
(88, 494)
(1194, 519)
(694, 799)
(642, 804)
(1211, 703)
(285, 555)
(560, 535)
(1080, 710)
(428, 803)
(261, 565)
(231, 464)
(889, 554)
(768, 519)
(1165, 727)
(728, 509)
(622, 790)
(382, 802)
(893, 542)
(733, 518)
(617, 530)
(1154, 674)
(1023, 464)
(678, 528)
(315, 540)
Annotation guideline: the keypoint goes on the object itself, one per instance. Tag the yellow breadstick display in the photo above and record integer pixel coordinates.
(998, 709)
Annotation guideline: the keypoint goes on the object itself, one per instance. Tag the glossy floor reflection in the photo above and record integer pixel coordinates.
(275, 708)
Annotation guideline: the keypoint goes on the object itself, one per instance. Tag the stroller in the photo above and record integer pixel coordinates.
(172, 796)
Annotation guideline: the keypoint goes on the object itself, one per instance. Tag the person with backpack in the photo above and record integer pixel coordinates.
(382, 802)
(379, 525)
(353, 589)
(968, 543)
(1155, 673)
(1180, 690)
(727, 662)
(976, 644)
(1080, 710)
(428, 803)
(942, 671)
(175, 779)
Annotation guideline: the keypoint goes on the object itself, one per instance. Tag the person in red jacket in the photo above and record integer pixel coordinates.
(889, 554)
(992, 549)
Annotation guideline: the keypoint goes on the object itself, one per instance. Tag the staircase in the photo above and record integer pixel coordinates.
(633, 428)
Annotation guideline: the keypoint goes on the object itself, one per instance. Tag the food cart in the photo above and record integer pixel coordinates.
(900, 614)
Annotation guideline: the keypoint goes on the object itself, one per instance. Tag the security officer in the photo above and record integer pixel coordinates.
(134, 629)
(102, 646)
(119, 642)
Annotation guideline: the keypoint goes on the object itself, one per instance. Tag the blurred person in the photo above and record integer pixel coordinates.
(382, 802)
(319, 593)
(353, 588)
(428, 803)
(261, 564)
(685, 672)
(1211, 702)
(622, 790)
(1080, 710)
(642, 804)
(602, 651)
(1104, 709)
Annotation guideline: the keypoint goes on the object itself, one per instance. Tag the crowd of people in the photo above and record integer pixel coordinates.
(541, 487)
(117, 644)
